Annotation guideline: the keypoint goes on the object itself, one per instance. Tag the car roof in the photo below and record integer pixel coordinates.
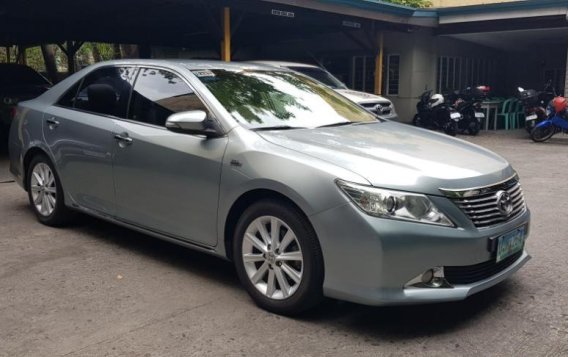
(190, 64)
(284, 64)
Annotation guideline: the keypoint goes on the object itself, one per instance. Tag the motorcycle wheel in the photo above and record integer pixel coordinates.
(529, 125)
(451, 129)
(474, 128)
(417, 121)
(541, 134)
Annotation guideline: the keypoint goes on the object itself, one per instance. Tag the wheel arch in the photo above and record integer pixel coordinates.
(245, 200)
(28, 157)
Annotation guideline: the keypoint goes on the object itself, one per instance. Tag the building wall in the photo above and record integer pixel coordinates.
(453, 3)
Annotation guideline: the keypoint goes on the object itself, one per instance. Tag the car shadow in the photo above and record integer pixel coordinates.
(378, 324)
(392, 323)
(194, 262)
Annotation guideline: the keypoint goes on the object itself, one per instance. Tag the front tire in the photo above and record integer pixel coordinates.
(45, 193)
(540, 134)
(278, 258)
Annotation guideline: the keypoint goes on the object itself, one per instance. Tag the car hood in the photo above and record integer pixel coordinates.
(399, 156)
(361, 97)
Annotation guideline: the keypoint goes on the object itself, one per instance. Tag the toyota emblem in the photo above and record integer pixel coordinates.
(504, 203)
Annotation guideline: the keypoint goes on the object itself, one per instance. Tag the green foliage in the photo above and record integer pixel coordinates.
(412, 3)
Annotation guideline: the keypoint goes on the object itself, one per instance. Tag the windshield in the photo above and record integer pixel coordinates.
(320, 75)
(264, 99)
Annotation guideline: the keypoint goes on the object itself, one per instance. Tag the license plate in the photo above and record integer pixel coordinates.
(531, 117)
(511, 243)
(455, 116)
(479, 115)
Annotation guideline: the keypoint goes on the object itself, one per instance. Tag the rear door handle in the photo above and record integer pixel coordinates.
(123, 139)
(52, 123)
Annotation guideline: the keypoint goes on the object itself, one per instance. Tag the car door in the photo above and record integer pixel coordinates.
(79, 132)
(164, 181)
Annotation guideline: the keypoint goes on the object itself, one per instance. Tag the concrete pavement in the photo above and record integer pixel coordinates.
(95, 289)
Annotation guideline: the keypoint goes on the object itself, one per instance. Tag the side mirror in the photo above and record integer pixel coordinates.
(194, 122)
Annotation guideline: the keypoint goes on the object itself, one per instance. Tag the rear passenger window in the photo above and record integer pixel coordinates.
(68, 99)
(106, 91)
(158, 94)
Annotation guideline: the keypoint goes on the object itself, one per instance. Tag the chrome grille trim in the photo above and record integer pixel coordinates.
(483, 209)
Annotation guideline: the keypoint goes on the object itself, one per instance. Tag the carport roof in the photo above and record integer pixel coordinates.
(189, 22)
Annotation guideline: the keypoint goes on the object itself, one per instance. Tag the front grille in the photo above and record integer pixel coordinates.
(383, 108)
(482, 206)
(474, 273)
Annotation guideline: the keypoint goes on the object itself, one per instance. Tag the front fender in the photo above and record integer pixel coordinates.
(544, 124)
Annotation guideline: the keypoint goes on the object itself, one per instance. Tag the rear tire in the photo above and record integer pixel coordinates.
(417, 121)
(529, 126)
(540, 134)
(474, 128)
(278, 258)
(45, 193)
(451, 129)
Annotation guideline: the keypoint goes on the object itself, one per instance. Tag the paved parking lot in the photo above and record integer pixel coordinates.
(95, 289)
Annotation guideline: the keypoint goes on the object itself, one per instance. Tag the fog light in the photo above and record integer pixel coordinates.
(431, 278)
(434, 277)
(428, 276)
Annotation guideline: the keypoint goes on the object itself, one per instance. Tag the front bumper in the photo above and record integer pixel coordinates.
(370, 260)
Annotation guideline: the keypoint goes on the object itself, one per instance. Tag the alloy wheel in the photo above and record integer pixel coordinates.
(272, 257)
(43, 189)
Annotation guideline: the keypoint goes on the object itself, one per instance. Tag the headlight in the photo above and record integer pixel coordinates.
(394, 204)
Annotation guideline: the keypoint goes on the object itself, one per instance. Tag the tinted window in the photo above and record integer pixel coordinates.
(106, 91)
(15, 74)
(158, 94)
(68, 100)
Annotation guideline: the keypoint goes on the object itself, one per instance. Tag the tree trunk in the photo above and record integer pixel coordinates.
(48, 52)
(22, 55)
(129, 51)
(97, 54)
(71, 63)
(116, 49)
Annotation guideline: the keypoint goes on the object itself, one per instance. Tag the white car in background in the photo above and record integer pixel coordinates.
(375, 103)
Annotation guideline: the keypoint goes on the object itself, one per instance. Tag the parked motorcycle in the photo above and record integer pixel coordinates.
(435, 114)
(535, 104)
(468, 103)
(556, 122)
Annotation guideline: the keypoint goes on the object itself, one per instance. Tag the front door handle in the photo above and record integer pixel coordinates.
(52, 123)
(123, 139)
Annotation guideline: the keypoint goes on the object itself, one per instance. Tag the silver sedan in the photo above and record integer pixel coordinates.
(306, 192)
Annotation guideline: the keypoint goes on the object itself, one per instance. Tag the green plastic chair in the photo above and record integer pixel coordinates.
(507, 113)
(519, 113)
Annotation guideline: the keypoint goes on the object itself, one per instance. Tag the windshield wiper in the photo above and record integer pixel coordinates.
(337, 124)
(278, 127)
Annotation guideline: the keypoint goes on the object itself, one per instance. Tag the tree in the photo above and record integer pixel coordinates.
(412, 3)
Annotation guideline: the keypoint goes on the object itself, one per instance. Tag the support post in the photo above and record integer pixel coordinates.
(226, 43)
(8, 54)
(379, 65)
